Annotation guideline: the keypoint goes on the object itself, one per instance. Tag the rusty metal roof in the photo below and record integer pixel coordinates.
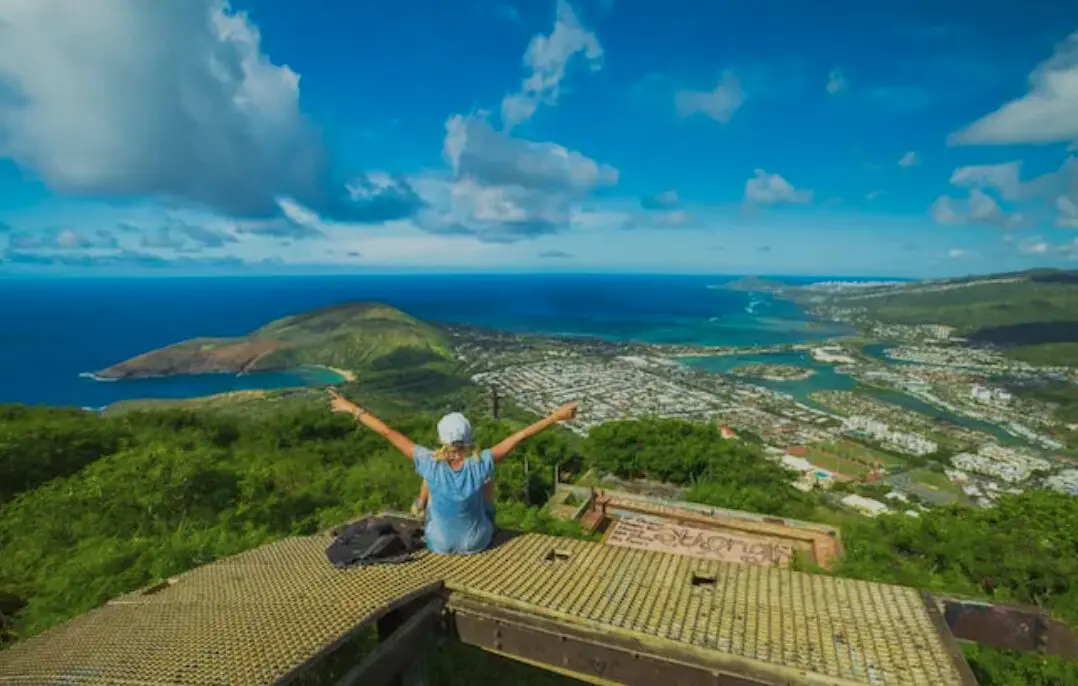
(257, 617)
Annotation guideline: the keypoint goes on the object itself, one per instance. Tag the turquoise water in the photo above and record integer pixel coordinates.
(917, 405)
(51, 330)
(199, 385)
(825, 378)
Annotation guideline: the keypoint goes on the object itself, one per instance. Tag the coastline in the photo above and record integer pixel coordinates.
(345, 374)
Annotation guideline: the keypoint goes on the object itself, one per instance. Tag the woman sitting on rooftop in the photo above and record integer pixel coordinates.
(460, 518)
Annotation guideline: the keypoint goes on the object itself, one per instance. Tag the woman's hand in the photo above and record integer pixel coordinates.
(566, 412)
(339, 403)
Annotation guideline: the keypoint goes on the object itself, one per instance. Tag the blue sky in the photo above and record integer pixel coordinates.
(883, 139)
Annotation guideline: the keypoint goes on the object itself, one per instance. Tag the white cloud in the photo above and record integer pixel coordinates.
(664, 200)
(546, 59)
(1005, 178)
(944, 211)
(505, 188)
(163, 97)
(600, 220)
(170, 98)
(836, 82)
(978, 208)
(955, 253)
(770, 189)
(984, 208)
(1034, 246)
(720, 103)
(1048, 113)
(675, 218)
(1068, 213)
(910, 159)
(64, 239)
(182, 236)
(1058, 188)
(1069, 249)
(474, 149)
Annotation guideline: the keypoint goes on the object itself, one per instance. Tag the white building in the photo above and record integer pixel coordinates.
(832, 354)
(1065, 482)
(905, 441)
(990, 396)
(866, 506)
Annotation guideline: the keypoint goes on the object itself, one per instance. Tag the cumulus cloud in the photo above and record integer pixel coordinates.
(171, 99)
(662, 201)
(554, 254)
(61, 239)
(836, 82)
(1005, 178)
(1034, 246)
(1048, 113)
(945, 211)
(1058, 189)
(503, 188)
(546, 59)
(493, 214)
(910, 159)
(955, 253)
(772, 189)
(181, 236)
(1068, 213)
(475, 150)
(719, 103)
(978, 208)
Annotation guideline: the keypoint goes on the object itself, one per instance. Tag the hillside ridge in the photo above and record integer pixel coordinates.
(351, 336)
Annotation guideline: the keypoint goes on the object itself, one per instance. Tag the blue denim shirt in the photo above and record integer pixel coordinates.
(457, 520)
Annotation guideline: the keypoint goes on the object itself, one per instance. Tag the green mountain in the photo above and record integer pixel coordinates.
(353, 336)
(1032, 315)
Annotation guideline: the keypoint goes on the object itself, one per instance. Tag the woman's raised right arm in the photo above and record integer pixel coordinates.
(401, 442)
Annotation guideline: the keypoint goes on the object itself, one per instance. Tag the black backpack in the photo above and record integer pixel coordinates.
(375, 540)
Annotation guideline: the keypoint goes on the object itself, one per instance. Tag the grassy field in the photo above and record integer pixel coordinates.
(850, 458)
(934, 480)
(823, 456)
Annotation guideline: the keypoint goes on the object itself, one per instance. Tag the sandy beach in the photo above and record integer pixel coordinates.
(346, 374)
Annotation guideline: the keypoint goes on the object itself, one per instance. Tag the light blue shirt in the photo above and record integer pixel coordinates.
(457, 520)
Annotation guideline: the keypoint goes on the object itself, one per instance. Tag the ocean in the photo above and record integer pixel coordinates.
(54, 329)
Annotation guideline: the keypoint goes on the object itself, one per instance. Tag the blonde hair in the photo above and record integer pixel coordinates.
(445, 451)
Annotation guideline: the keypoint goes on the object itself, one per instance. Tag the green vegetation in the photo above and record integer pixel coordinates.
(930, 478)
(1063, 398)
(1045, 354)
(779, 372)
(1034, 318)
(979, 306)
(103, 505)
(353, 336)
(719, 472)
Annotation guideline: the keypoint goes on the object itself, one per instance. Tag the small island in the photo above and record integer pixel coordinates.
(772, 372)
(751, 284)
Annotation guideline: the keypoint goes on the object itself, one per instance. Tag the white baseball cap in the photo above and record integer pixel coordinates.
(454, 428)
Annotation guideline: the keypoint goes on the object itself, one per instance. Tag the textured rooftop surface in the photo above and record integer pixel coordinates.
(256, 617)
